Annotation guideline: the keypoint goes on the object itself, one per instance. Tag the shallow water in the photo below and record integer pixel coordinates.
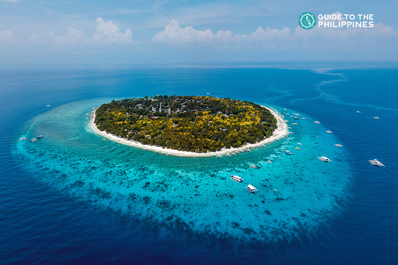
(296, 192)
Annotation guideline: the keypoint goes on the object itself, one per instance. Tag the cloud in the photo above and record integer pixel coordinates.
(173, 33)
(318, 37)
(107, 32)
(11, 1)
(7, 37)
(72, 37)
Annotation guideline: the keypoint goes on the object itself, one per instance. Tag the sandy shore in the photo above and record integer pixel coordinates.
(280, 132)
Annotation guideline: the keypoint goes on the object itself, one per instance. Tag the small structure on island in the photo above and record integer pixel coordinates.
(236, 178)
(251, 188)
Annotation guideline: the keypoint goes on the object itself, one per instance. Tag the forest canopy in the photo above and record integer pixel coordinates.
(187, 123)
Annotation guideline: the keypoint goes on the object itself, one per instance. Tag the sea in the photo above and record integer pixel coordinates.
(72, 198)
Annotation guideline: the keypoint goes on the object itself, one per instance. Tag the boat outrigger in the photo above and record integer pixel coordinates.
(251, 188)
(324, 159)
(376, 162)
(236, 178)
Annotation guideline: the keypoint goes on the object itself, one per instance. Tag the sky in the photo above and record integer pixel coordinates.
(173, 31)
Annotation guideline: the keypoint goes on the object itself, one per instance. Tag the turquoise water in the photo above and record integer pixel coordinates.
(296, 194)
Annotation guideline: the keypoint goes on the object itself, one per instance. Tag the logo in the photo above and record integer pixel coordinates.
(307, 20)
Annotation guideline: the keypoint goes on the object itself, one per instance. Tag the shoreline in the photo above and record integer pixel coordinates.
(280, 131)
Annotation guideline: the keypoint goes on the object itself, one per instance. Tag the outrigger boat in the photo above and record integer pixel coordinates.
(236, 178)
(288, 152)
(251, 188)
(329, 131)
(376, 162)
(324, 159)
(316, 122)
(338, 145)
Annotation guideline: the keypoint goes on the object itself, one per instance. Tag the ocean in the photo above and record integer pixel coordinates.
(73, 198)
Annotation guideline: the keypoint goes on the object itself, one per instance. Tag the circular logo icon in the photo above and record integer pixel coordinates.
(307, 20)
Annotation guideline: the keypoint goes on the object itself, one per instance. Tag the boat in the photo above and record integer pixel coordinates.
(103, 140)
(297, 148)
(297, 114)
(303, 118)
(40, 137)
(236, 178)
(329, 131)
(316, 122)
(376, 162)
(219, 156)
(68, 115)
(248, 150)
(376, 118)
(269, 161)
(299, 143)
(22, 138)
(253, 166)
(208, 93)
(251, 188)
(48, 106)
(358, 111)
(324, 159)
(338, 145)
(33, 140)
(295, 118)
(288, 152)
(294, 123)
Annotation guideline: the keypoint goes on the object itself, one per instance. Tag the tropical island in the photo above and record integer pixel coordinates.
(198, 124)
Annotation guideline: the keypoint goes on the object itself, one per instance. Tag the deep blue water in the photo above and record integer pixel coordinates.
(353, 218)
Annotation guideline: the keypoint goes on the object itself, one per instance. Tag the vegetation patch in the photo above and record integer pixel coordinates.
(187, 123)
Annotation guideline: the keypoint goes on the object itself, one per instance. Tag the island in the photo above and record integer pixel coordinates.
(188, 124)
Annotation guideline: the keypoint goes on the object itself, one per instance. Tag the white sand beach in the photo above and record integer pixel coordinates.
(280, 132)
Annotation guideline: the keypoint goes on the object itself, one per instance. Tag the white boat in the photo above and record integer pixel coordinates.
(297, 114)
(40, 137)
(294, 123)
(236, 178)
(376, 118)
(48, 106)
(376, 162)
(299, 143)
(358, 111)
(33, 140)
(329, 131)
(219, 156)
(269, 161)
(253, 166)
(22, 138)
(251, 188)
(324, 159)
(316, 122)
(297, 148)
(208, 93)
(338, 145)
(288, 152)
